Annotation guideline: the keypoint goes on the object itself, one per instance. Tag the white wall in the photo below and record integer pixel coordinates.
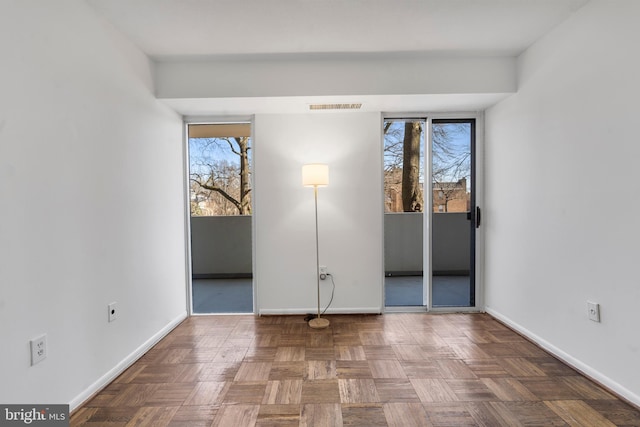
(349, 211)
(562, 194)
(337, 74)
(91, 202)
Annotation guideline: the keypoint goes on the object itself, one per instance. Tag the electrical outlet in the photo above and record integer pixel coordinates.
(113, 312)
(594, 311)
(323, 272)
(38, 349)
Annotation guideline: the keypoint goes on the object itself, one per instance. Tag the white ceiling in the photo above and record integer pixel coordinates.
(175, 29)
(168, 28)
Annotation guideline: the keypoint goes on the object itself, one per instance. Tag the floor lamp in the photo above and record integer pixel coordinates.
(316, 175)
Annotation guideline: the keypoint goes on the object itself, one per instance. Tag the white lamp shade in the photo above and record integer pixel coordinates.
(315, 175)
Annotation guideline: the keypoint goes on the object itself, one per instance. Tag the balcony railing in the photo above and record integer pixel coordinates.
(221, 245)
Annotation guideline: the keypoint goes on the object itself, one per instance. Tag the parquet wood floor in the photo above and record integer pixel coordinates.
(364, 370)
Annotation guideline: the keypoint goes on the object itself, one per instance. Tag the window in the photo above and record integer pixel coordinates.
(219, 169)
(404, 165)
(451, 166)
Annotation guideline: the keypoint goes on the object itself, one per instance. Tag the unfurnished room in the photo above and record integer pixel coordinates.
(319, 213)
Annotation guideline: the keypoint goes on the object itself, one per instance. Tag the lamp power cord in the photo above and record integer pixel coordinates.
(333, 291)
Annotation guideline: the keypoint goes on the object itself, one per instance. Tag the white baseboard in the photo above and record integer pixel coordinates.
(124, 364)
(585, 369)
(303, 311)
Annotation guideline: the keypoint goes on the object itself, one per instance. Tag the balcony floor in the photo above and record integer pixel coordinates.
(222, 296)
(448, 291)
(236, 295)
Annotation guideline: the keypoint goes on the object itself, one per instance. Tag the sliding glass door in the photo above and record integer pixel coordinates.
(430, 213)
(404, 150)
(220, 207)
(453, 213)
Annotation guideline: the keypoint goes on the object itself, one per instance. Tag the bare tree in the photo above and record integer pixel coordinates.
(402, 169)
(450, 162)
(402, 154)
(412, 198)
(393, 155)
(451, 166)
(219, 181)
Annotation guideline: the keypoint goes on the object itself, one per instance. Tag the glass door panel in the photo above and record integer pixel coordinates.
(453, 215)
(404, 204)
(220, 206)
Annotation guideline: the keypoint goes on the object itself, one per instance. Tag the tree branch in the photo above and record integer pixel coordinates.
(220, 191)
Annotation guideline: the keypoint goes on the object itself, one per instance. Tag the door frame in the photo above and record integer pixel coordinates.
(195, 120)
(478, 198)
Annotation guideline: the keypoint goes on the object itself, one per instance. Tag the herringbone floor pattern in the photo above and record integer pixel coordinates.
(364, 370)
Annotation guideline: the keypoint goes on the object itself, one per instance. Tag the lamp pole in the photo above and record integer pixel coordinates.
(315, 197)
(318, 322)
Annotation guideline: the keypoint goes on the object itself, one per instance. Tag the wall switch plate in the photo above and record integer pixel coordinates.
(594, 311)
(113, 312)
(38, 349)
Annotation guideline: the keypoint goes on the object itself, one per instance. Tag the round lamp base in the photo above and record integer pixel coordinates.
(319, 323)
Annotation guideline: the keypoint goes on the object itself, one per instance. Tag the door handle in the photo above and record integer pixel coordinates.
(476, 218)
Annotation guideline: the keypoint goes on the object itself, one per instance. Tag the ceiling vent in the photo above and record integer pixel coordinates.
(335, 106)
